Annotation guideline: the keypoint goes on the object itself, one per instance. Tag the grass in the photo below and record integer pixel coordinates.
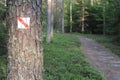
(63, 60)
(107, 41)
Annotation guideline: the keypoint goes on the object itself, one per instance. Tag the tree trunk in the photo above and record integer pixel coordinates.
(52, 18)
(92, 2)
(49, 11)
(56, 14)
(104, 21)
(83, 17)
(25, 60)
(63, 17)
(70, 15)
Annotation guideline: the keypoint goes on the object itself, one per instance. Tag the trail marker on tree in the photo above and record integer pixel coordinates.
(23, 22)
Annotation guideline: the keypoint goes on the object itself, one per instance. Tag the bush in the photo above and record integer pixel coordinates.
(117, 40)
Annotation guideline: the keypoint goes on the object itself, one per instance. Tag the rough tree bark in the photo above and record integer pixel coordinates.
(25, 60)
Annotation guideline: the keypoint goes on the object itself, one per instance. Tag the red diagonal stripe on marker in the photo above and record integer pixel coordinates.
(22, 21)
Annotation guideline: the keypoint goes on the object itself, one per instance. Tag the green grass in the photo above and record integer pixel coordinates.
(63, 60)
(107, 41)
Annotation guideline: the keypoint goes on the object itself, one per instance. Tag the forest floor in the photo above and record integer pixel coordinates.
(101, 58)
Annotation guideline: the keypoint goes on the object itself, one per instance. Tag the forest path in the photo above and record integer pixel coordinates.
(101, 58)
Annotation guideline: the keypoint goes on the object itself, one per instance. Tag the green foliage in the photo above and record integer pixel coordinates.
(2, 28)
(3, 39)
(44, 13)
(2, 10)
(111, 14)
(67, 13)
(95, 19)
(95, 14)
(63, 60)
(116, 40)
(107, 9)
(3, 31)
(3, 62)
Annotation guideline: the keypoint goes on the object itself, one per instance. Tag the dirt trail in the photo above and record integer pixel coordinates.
(101, 58)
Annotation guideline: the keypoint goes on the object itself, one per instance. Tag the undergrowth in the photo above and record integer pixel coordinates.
(3, 62)
(63, 60)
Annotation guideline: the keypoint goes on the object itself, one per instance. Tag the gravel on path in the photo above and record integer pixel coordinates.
(102, 58)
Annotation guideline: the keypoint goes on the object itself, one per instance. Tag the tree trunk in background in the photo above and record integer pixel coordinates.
(83, 17)
(63, 16)
(70, 15)
(59, 15)
(91, 2)
(104, 21)
(56, 13)
(25, 60)
(52, 18)
(49, 11)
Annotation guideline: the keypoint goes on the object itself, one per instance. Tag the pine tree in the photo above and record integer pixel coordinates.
(25, 60)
